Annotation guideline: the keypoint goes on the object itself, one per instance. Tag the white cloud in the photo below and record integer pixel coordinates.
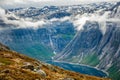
(20, 22)
(2, 12)
(23, 3)
(26, 22)
(80, 20)
(41, 3)
(79, 23)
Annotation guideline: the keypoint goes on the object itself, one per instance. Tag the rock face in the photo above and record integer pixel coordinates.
(26, 69)
(93, 47)
(116, 10)
(93, 42)
(43, 42)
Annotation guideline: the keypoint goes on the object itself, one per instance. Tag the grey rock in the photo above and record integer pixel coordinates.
(28, 65)
(68, 79)
(50, 67)
(41, 72)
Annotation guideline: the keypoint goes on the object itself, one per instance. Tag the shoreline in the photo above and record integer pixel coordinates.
(107, 74)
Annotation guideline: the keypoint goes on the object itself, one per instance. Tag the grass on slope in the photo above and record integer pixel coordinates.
(65, 36)
(114, 73)
(34, 50)
(91, 60)
(38, 51)
(5, 61)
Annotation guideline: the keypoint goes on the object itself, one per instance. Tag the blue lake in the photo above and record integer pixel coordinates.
(79, 68)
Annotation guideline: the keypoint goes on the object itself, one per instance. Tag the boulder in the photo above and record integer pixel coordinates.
(28, 65)
(5, 71)
(52, 68)
(41, 72)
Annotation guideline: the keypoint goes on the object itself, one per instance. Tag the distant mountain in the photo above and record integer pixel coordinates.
(49, 12)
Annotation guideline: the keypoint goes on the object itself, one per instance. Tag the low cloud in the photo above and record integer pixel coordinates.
(2, 13)
(80, 20)
(20, 22)
(79, 23)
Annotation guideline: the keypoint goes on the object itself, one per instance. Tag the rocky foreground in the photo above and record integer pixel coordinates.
(14, 66)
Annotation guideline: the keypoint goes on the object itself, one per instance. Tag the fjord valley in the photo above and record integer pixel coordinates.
(82, 38)
(15, 66)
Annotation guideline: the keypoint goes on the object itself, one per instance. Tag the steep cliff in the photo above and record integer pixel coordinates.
(96, 47)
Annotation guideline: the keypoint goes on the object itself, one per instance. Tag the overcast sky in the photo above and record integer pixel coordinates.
(41, 3)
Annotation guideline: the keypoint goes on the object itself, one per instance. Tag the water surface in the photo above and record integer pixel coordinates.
(79, 68)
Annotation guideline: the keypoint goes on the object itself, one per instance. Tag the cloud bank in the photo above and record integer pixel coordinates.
(78, 21)
(19, 22)
(41, 3)
(81, 20)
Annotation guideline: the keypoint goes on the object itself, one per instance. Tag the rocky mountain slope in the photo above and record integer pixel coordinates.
(49, 28)
(14, 66)
(48, 40)
(96, 47)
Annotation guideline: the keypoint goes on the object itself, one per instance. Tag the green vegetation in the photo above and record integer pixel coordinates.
(35, 50)
(39, 52)
(67, 36)
(114, 72)
(91, 60)
(74, 59)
